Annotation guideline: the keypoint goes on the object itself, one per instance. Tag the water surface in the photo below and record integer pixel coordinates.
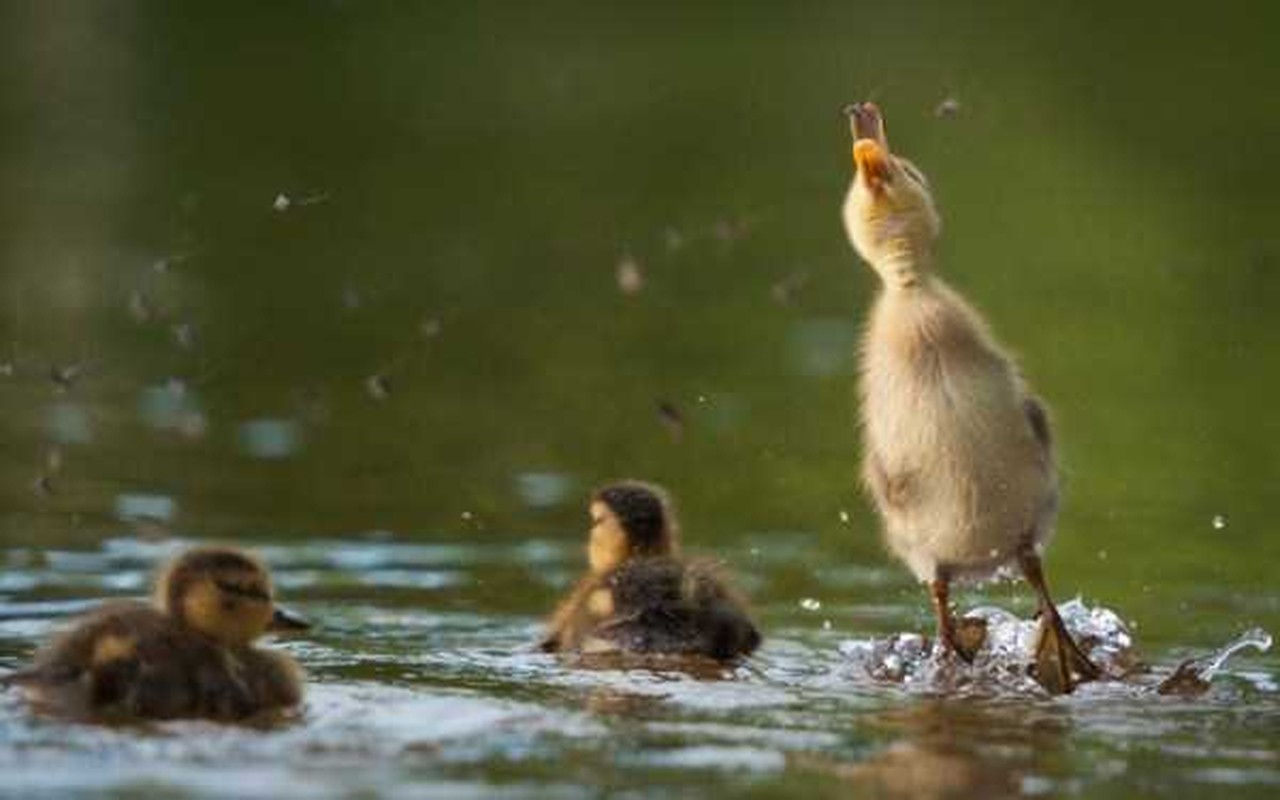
(424, 682)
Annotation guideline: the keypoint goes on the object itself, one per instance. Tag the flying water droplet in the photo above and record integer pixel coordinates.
(947, 108)
(629, 275)
(811, 604)
(378, 386)
(1192, 677)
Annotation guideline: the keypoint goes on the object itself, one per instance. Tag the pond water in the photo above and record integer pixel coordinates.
(385, 289)
(424, 683)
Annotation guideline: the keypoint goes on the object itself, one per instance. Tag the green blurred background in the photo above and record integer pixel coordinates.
(393, 234)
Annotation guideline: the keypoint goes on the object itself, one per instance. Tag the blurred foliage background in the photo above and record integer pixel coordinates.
(307, 268)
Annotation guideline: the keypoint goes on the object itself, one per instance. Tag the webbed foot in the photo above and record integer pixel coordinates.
(1060, 664)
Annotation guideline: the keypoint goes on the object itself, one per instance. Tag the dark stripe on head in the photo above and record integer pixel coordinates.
(251, 592)
(645, 514)
(209, 561)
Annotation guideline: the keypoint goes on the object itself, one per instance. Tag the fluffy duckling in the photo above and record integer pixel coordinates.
(638, 596)
(957, 454)
(189, 654)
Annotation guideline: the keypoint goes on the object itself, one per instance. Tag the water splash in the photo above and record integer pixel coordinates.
(1192, 677)
(1005, 655)
(1003, 661)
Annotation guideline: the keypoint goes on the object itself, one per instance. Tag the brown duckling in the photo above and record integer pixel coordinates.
(190, 654)
(638, 596)
(957, 453)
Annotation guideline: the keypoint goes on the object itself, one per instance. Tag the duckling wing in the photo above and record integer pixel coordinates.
(727, 629)
(890, 492)
(273, 680)
(89, 667)
(129, 659)
(664, 606)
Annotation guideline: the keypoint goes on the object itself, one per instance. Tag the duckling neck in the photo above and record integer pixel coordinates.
(904, 268)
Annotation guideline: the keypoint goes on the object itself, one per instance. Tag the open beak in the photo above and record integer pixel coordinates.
(285, 620)
(870, 146)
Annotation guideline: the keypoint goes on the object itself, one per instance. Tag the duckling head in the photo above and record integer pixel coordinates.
(630, 519)
(223, 593)
(889, 212)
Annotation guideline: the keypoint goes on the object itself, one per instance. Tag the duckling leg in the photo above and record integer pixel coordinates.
(1060, 664)
(939, 590)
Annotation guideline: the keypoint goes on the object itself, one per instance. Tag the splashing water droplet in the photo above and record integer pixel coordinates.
(1219, 522)
(810, 604)
(844, 516)
(378, 386)
(1192, 677)
(630, 275)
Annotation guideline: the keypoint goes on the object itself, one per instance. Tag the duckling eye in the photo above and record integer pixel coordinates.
(235, 589)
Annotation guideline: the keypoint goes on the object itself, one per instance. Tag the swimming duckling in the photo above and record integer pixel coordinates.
(957, 454)
(638, 596)
(190, 654)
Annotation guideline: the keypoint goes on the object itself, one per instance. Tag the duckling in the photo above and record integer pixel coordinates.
(638, 596)
(958, 455)
(188, 654)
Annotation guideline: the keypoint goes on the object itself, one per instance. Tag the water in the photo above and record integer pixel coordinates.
(387, 288)
(423, 682)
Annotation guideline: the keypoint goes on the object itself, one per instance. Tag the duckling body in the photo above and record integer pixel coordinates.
(639, 597)
(131, 660)
(191, 657)
(662, 606)
(957, 454)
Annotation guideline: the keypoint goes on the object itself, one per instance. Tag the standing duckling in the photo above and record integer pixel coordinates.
(638, 596)
(188, 655)
(957, 454)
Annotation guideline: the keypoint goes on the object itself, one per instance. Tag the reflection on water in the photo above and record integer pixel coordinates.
(543, 489)
(157, 507)
(424, 679)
